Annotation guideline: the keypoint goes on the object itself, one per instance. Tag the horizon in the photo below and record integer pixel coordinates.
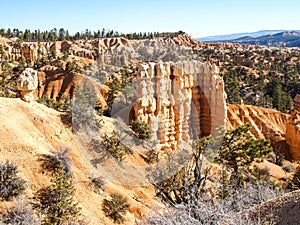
(196, 18)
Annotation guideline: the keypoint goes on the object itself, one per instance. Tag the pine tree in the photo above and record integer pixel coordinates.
(239, 149)
(55, 202)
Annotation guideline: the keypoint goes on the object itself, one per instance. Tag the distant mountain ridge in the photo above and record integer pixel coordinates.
(288, 38)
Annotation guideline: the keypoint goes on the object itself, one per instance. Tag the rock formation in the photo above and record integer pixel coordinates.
(56, 83)
(265, 124)
(180, 101)
(27, 83)
(297, 102)
(285, 208)
(293, 134)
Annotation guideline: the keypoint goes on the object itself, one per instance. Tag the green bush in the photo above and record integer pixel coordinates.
(294, 183)
(151, 156)
(115, 147)
(141, 129)
(115, 208)
(55, 202)
(61, 104)
(11, 185)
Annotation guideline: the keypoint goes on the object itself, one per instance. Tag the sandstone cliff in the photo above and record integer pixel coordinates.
(180, 101)
(56, 83)
(266, 123)
(293, 134)
(89, 49)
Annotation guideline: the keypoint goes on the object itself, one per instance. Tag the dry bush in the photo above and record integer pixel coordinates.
(230, 211)
(11, 185)
(57, 161)
(20, 214)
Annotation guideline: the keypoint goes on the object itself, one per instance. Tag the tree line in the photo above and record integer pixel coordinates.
(63, 34)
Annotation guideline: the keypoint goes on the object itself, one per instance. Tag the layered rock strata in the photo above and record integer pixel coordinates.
(56, 83)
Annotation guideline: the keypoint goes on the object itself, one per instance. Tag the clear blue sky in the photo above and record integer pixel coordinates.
(197, 17)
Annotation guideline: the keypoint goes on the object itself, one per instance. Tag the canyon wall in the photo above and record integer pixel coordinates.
(265, 123)
(293, 134)
(179, 100)
(293, 129)
(90, 50)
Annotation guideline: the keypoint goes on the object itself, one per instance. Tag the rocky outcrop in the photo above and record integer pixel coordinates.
(265, 124)
(27, 83)
(180, 101)
(283, 209)
(56, 83)
(297, 102)
(94, 49)
(293, 134)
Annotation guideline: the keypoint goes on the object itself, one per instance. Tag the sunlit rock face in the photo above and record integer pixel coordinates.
(180, 100)
(27, 83)
(293, 130)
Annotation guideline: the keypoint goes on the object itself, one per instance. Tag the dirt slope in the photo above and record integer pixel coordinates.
(30, 129)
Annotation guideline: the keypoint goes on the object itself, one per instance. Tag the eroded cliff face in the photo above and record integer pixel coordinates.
(180, 101)
(266, 123)
(280, 128)
(293, 130)
(88, 49)
(57, 84)
(293, 134)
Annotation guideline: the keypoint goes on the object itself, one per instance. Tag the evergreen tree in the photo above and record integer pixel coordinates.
(61, 34)
(239, 149)
(56, 202)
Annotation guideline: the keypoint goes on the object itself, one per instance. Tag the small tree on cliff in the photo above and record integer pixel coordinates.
(239, 149)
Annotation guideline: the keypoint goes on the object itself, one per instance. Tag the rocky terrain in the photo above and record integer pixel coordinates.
(172, 84)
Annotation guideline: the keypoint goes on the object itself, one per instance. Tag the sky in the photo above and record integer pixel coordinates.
(199, 18)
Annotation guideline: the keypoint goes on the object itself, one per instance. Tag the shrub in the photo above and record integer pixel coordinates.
(182, 182)
(294, 183)
(51, 103)
(97, 183)
(55, 202)
(115, 208)
(261, 173)
(57, 161)
(21, 214)
(151, 156)
(114, 146)
(239, 149)
(141, 129)
(287, 168)
(11, 185)
(231, 211)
